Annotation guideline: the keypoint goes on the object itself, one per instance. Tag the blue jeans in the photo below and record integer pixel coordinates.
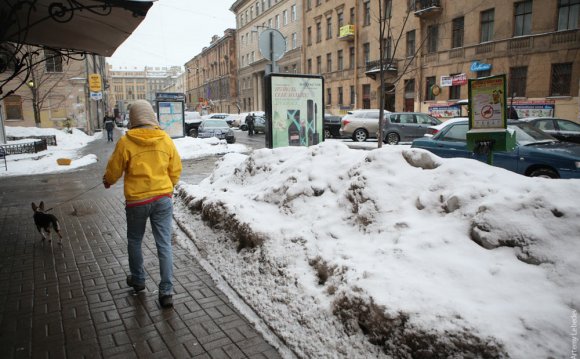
(160, 213)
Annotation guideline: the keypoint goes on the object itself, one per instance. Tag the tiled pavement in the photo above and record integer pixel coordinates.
(71, 301)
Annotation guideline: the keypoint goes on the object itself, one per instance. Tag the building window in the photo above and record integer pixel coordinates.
(561, 79)
(487, 18)
(388, 6)
(294, 40)
(285, 17)
(339, 21)
(318, 31)
(309, 66)
(455, 91)
(309, 36)
(328, 96)
(367, 13)
(53, 61)
(366, 52)
(340, 96)
(293, 13)
(13, 107)
(366, 92)
(352, 16)
(517, 81)
(568, 14)
(257, 8)
(329, 28)
(340, 60)
(319, 64)
(318, 2)
(411, 43)
(352, 95)
(457, 32)
(351, 58)
(387, 48)
(432, 37)
(308, 5)
(329, 62)
(277, 21)
(523, 18)
(429, 82)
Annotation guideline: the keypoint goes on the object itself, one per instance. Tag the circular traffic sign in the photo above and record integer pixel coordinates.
(272, 44)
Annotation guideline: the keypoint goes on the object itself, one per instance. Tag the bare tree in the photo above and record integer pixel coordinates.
(47, 72)
(389, 31)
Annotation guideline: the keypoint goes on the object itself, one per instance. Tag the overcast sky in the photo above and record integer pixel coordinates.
(173, 32)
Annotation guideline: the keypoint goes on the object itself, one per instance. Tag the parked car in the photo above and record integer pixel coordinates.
(564, 130)
(433, 130)
(192, 122)
(235, 119)
(360, 124)
(537, 154)
(406, 126)
(331, 126)
(216, 128)
(259, 124)
(216, 115)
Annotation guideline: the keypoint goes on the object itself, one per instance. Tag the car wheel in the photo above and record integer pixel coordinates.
(544, 173)
(192, 132)
(359, 135)
(327, 133)
(392, 138)
(233, 140)
(244, 127)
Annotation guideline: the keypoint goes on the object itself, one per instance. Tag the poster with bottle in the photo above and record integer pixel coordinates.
(294, 106)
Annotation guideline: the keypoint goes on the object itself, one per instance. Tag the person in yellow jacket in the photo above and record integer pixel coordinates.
(148, 158)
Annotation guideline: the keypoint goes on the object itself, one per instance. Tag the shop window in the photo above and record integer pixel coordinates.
(561, 79)
(517, 81)
(455, 91)
(429, 82)
(13, 106)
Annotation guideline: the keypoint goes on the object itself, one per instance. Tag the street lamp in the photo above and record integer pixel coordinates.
(30, 84)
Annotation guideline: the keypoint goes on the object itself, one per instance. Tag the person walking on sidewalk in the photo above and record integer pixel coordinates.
(109, 125)
(250, 122)
(152, 167)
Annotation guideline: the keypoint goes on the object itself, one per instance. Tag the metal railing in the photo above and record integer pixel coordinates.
(30, 147)
(50, 140)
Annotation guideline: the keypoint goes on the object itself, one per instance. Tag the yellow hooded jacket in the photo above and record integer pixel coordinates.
(150, 161)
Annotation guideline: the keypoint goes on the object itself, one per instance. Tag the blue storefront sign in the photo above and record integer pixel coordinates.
(477, 66)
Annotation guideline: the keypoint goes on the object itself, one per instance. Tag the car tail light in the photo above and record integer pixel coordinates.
(345, 122)
(432, 131)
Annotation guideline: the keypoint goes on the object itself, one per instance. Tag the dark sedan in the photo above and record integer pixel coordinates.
(331, 126)
(564, 130)
(537, 154)
(216, 128)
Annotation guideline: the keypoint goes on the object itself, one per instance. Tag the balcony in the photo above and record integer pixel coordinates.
(373, 68)
(346, 33)
(427, 8)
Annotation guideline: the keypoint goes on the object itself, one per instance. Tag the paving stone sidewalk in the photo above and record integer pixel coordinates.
(71, 301)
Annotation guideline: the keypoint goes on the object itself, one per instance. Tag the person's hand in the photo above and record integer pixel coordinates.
(105, 183)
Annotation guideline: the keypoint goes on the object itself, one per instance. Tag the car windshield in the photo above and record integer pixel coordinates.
(214, 124)
(526, 134)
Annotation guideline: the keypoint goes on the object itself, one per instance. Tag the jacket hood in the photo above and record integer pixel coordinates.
(146, 136)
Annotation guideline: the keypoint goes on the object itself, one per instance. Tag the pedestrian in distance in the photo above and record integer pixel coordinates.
(147, 157)
(250, 122)
(109, 126)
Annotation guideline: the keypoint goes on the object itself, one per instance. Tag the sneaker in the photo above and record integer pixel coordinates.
(166, 301)
(136, 286)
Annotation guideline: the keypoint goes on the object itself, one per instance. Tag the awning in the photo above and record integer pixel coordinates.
(90, 26)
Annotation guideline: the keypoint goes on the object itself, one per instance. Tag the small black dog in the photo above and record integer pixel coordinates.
(44, 220)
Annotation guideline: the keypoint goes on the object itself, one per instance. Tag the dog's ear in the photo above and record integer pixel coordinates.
(34, 207)
(41, 206)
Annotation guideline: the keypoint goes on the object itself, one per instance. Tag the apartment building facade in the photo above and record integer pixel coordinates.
(128, 84)
(432, 47)
(55, 94)
(252, 18)
(212, 76)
